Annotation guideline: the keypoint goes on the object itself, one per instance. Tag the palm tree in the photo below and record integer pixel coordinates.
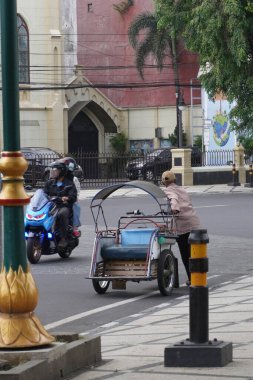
(160, 43)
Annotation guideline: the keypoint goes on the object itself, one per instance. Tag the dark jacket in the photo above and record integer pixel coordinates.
(67, 189)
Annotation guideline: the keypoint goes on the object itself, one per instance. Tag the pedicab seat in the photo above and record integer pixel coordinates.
(134, 245)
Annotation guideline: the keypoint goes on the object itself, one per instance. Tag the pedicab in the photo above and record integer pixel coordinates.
(138, 247)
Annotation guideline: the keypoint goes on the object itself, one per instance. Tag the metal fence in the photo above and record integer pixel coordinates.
(218, 158)
(101, 169)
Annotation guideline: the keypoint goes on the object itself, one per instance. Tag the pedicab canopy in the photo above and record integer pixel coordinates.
(148, 187)
(154, 191)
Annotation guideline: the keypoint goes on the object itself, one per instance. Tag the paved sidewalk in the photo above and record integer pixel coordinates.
(210, 189)
(135, 350)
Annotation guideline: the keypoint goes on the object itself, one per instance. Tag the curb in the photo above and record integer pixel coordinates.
(201, 189)
(55, 361)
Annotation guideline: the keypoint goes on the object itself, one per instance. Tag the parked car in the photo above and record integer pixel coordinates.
(39, 160)
(150, 165)
(154, 164)
(43, 155)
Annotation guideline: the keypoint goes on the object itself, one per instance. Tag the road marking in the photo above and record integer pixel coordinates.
(97, 310)
(109, 325)
(211, 206)
(103, 308)
(165, 304)
(208, 278)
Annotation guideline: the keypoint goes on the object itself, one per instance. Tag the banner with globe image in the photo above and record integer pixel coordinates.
(221, 137)
(221, 130)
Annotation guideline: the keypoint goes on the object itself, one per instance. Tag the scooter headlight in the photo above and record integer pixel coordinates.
(39, 217)
(36, 217)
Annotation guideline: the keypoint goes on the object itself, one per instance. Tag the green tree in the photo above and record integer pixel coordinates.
(119, 142)
(221, 32)
(156, 42)
(160, 43)
(247, 142)
(172, 137)
(198, 141)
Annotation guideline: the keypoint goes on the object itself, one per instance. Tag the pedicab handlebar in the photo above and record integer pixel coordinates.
(139, 212)
(162, 219)
(135, 212)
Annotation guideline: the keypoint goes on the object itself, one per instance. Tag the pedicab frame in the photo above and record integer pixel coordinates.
(130, 251)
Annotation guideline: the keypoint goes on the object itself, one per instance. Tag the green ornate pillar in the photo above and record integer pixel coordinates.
(18, 293)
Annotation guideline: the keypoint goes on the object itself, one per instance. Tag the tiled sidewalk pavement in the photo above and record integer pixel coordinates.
(135, 350)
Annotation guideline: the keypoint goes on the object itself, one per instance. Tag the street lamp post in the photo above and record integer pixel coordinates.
(180, 105)
(18, 292)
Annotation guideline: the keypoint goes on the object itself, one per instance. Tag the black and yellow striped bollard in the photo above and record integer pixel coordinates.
(250, 183)
(234, 177)
(198, 289)
(198, 350)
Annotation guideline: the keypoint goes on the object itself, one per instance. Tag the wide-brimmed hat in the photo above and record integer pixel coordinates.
(168, 177)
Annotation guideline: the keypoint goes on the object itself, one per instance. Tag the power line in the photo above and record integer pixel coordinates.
(104, 86)
(100, 67)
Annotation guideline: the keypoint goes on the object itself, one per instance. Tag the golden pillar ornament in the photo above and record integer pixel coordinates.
(19, 327)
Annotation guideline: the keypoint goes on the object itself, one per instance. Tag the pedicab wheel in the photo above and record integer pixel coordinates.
(100, 286)
(33, 250)
(166, 272)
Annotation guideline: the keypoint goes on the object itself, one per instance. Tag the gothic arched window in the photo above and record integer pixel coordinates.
(23, 51)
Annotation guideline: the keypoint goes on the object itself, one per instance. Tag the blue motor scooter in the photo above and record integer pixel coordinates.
(41, 231)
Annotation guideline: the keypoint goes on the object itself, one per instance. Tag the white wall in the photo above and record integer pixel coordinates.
(143, 122)
(69, 31)
(42, 112)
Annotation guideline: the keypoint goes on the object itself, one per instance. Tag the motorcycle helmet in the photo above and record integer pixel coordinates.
(69, 164)
(58, 169)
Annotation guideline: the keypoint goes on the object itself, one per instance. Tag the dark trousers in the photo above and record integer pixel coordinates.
(63, 220)
(185, 251)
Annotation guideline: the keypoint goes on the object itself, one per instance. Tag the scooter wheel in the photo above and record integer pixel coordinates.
(64, 254)
(33, 250)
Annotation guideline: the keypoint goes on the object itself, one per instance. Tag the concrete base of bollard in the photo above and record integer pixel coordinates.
(68, 354)
(187, 354)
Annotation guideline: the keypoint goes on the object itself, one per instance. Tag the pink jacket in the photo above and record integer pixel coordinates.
(187, 218)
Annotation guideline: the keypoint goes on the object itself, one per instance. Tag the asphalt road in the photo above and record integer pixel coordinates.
(66, 293)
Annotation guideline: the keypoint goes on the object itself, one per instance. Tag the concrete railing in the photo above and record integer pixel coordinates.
(204, 175)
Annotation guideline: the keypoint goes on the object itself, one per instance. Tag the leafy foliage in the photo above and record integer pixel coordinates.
(172, 137)
(119, 142)
(158, 42)
(247, 143)
(221, 32)
(198, 141)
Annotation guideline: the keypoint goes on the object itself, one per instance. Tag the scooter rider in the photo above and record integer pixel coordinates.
(61, 187)
(76, 206)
